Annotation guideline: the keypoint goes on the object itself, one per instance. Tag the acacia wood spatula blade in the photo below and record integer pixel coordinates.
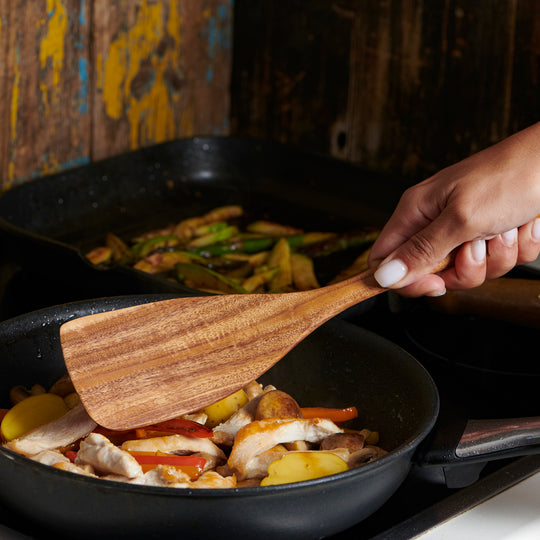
(139, 365)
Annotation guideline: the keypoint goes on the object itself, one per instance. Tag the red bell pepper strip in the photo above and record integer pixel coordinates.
(117, 437)
(182, 427)
(169, 459)
(337, 416)
(71, 455)
(191, 465)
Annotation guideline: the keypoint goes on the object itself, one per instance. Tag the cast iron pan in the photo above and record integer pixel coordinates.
(46, 224)
(338, 365)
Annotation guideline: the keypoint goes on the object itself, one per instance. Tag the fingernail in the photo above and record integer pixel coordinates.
(509, 237)
(535, 232)
(390, 273)
(436, 293)
(478, 250)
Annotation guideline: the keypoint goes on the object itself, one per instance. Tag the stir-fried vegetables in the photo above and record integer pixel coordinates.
(215, 253)
(258, 436)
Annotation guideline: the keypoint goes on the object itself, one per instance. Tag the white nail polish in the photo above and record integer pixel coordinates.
(437, 293)
(391, 272)
(535, 232)
(509, 237)
(478, 250)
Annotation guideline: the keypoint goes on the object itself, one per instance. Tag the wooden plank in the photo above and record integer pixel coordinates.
(5, 93)
(162, 71)
(44, 88)
(157, 70)
(400, 86)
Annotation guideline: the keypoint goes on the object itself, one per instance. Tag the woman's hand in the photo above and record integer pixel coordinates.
(483, 210)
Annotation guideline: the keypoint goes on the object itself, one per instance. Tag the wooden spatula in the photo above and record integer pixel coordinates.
(139, 365)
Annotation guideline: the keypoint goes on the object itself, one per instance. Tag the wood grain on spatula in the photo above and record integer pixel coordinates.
(138, 365)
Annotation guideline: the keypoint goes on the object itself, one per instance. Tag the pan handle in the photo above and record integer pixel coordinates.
(507, 299)
(457, 450)
(483, 437)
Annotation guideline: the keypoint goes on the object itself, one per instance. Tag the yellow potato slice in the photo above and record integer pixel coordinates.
(221, 410)
(31, 413)
(300, 466)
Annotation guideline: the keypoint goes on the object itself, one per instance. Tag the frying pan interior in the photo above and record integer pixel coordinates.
(339, 365)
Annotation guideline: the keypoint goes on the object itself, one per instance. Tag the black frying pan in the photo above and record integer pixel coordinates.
(339, 365)
(46, 224)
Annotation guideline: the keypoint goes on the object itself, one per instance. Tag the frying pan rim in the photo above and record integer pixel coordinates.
(413, 441)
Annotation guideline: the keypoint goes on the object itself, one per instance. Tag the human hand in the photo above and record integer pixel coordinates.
(483, 210)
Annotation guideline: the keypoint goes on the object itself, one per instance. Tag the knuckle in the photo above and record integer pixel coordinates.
(421, 249)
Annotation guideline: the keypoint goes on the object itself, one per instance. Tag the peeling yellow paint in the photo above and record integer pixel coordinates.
(52, 45)
(174, 23)
(115, 76)
(15, 101)
(133, 56)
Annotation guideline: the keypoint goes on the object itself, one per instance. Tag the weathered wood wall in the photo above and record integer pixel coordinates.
(403, 86)
(81, 80)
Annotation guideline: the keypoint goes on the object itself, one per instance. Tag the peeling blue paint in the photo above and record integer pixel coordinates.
(82, 20)
(218, 31)
(82, 94)
(223, 11)
(70, 164)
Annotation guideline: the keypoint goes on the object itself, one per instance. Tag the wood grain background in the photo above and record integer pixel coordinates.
(401, 86)
(81, 80)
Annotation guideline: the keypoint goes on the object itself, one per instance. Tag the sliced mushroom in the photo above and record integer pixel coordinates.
(365, 455)
(253, 389)
(277, 404)
(351, 441)
(63, 386)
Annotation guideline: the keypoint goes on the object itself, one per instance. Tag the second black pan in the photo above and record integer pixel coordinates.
(48, 223)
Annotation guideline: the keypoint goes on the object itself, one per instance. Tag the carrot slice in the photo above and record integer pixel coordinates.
(336, 415)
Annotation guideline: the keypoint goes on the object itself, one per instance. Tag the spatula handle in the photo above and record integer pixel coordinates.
(354, 290)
